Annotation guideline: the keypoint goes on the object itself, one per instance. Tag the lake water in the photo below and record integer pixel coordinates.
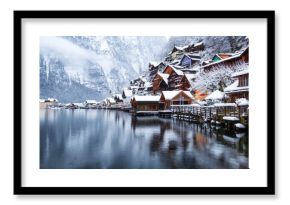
(112, 139)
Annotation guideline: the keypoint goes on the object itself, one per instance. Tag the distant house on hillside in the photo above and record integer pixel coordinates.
(189, 48)
(240, 88)
(176, 97)
(190, 60)
(226, 59)
(177, 52)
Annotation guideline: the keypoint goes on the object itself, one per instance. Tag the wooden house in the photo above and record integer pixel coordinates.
(160, 82)
(177, 52)
(154, 68)
(175, 75)
(190, 60)
(186, 82)
(240, 88)
(225, 59)
(148, 103)
(176, 97)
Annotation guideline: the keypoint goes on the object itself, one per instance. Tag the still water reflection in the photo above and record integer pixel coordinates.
(110, 139)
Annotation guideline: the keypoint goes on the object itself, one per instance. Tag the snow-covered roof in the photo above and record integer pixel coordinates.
(79, 104)
(155, 64)
(169, 95)
(198, 44)
(235, 88)
(147, 98)
(194, 57)
(52, 100)
(111, 100)
(243, 72)
(91, 101)
(181, 47)
(242, 102)
(230, 118)
(216, 95)
(224, 105)
(176, 69)
(240, 125)
(127, 92)
(164, 76)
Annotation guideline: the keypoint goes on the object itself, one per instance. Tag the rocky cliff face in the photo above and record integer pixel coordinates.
(75, 68)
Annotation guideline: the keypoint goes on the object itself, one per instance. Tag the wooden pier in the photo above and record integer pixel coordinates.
(219, 114)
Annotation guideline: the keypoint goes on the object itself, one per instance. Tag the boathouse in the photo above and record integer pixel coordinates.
(145, 104)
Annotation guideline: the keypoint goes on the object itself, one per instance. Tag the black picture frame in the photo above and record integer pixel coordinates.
(268, 190)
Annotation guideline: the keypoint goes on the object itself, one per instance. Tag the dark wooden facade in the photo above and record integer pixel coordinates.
(174, 78)
(185, 82)
(144, 105)
(160, 83)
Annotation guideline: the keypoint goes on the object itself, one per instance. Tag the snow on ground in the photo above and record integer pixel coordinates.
(230, 118)
(242, 102)
(147, 98)
(224, 105)
(216, 95)
(240, 126)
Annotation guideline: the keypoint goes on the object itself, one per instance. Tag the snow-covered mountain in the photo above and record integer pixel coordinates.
(75, 68)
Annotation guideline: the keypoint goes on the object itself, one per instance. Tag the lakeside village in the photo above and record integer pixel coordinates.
(183, 86)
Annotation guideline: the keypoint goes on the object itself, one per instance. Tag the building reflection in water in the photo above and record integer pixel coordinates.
(115, 139)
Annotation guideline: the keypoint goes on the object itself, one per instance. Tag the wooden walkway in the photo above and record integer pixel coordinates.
(212, 114)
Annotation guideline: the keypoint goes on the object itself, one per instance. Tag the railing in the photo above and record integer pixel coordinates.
(210, 113)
